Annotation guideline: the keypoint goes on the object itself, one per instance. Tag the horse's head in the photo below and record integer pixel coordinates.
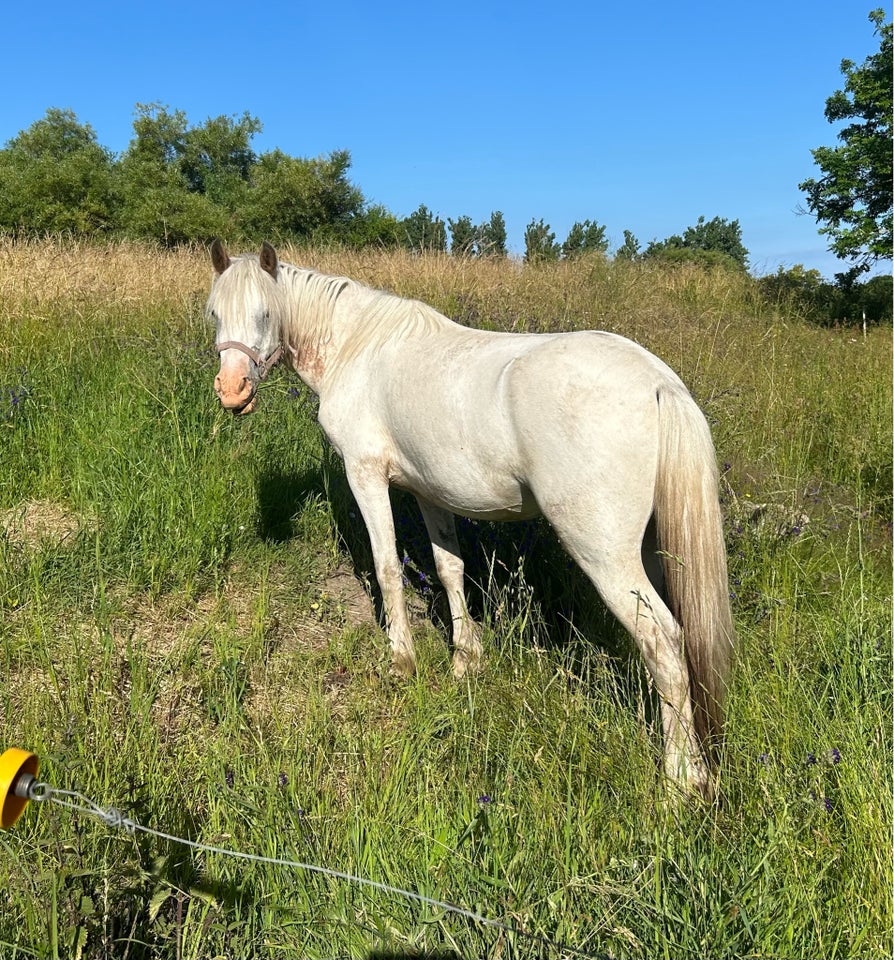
(246, 307)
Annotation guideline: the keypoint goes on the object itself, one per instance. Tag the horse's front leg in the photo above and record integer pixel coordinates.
(449, 564)
(370, 488)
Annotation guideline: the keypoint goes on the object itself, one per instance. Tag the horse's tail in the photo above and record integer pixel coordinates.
(690, 538)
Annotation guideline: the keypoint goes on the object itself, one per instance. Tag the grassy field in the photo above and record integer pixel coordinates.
(187, 633)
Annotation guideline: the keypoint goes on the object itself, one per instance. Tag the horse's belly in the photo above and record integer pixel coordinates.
(485, 496)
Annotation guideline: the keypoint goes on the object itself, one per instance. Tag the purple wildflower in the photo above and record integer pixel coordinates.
(833, 755)
(229, 778)
(484, 799)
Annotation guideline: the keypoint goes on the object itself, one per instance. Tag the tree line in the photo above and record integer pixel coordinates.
(180, 183)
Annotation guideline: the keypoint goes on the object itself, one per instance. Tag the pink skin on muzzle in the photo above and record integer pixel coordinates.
(235, 388)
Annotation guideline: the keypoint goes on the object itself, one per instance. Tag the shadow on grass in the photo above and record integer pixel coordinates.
(280, 497)
(513, 570)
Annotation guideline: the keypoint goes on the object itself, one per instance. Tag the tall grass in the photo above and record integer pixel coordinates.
(185, 635)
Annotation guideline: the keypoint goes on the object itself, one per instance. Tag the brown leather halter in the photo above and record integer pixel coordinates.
(264, 366)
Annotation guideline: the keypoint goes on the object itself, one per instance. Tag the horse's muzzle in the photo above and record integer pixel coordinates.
(239, 397)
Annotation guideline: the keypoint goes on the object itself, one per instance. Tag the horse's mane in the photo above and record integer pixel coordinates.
(319, 311)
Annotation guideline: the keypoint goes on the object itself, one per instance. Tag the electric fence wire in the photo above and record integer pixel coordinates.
(113, 818)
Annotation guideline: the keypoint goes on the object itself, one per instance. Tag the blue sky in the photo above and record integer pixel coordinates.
(641, 116)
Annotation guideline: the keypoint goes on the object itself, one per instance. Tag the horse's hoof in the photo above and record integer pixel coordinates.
(466, 662)
(699, 787)
(402, 666)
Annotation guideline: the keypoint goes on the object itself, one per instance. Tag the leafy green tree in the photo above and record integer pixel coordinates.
(803, 289)
(374, 226)
(720, 235)
(584, 237)
(159, 136)
(172, 216)
(297, 198)
(853, 197)
(710, 242)
(540, 243)
(463, 237)
(845, 302)
(56, 178)
(488, 239)
(206, 157)
(424, 232)
(216, 158)
(876, 297)
(492, 236)
(629, 249)
(156, 199)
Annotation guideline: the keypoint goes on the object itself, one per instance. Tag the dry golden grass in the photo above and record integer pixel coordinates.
(47, 271)
(522, 296)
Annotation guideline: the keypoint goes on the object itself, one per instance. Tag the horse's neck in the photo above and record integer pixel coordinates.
(324, 317)
(336, 322)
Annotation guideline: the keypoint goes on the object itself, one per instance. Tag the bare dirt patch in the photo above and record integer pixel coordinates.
(34, 522)
(338, 602)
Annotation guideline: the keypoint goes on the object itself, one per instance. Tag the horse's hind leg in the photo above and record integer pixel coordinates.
(449, 564)
(609, 552)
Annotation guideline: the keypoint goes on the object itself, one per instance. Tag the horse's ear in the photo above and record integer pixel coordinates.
(269, 260)
(219, 256)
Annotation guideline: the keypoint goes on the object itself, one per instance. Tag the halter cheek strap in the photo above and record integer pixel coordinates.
(264, 366)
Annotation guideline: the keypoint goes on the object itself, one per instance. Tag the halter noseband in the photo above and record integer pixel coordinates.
(264, 366)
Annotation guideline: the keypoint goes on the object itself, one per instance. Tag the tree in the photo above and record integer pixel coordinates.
(719, 234)
(56, 178)
(463, 237)
(492, 236)
(162, 190)
(585, 237)
(207, 157)
(374, 226)
(424, 232)
(853, 198)
(488, 239)
(629, 249)
(822, 302)
(540, 243)
(710, 242)
(300, 199)
(216, 158)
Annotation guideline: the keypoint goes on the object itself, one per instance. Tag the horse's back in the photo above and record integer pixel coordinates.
(578, 385)
(596, 362)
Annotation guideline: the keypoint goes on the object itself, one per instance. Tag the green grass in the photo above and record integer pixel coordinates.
(184, 636)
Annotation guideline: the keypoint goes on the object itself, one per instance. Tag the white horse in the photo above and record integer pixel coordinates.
(587, 428)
